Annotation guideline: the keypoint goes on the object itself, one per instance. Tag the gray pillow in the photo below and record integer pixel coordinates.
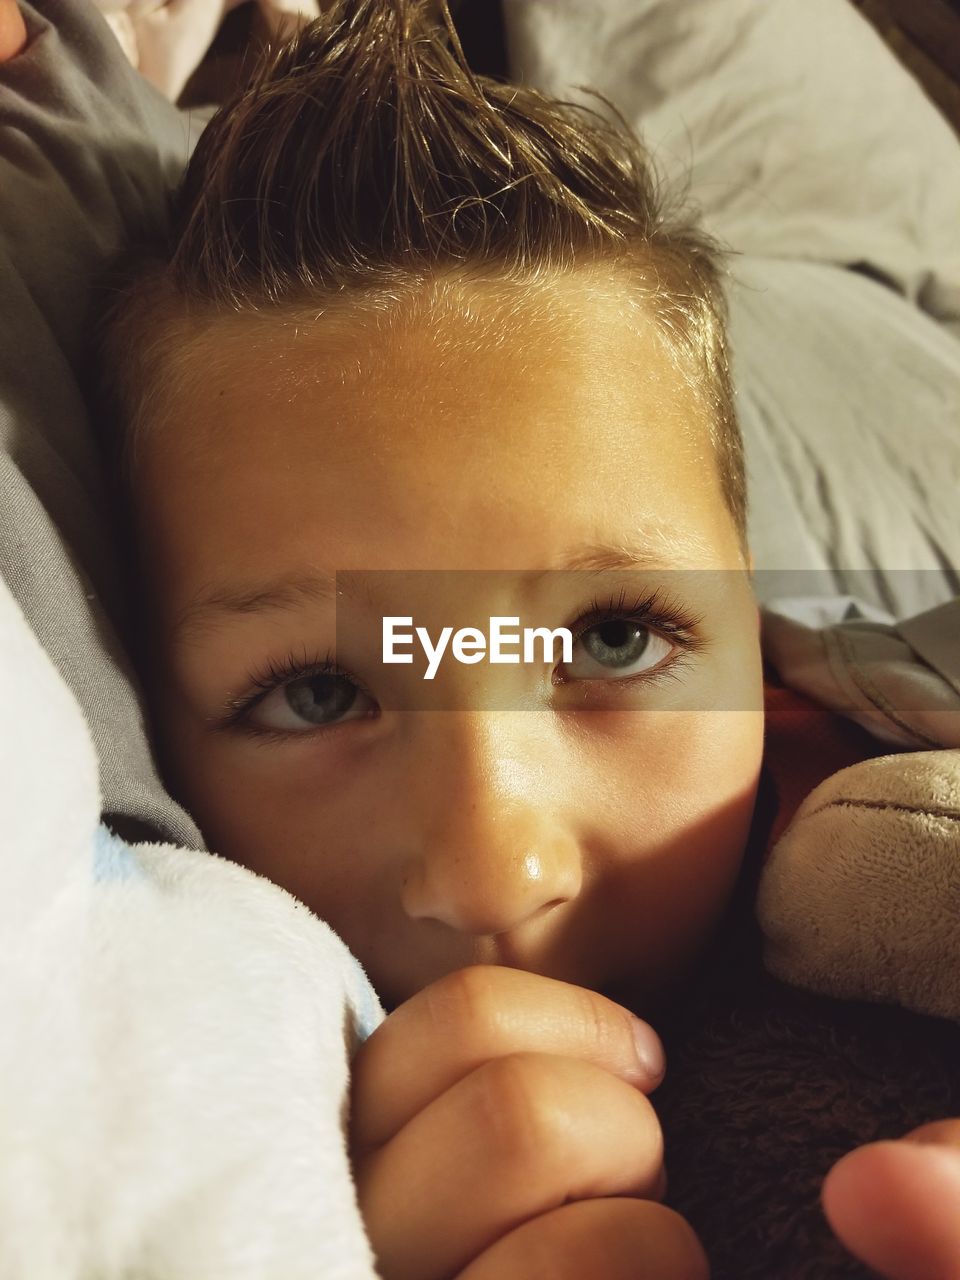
(88, 151)
(812, 152)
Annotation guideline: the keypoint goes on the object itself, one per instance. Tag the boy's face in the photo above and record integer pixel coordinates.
(588, 827)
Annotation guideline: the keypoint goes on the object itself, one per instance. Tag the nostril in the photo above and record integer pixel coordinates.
(13, 31)
(551, 906)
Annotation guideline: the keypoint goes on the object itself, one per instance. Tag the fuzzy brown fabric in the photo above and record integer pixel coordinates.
(768, 1086)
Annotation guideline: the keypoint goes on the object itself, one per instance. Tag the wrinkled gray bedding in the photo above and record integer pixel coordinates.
(820, 161)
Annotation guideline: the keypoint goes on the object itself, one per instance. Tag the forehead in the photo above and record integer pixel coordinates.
(405, 437)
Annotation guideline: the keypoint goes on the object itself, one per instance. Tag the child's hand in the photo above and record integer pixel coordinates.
(490, 1114)
(896, 1205)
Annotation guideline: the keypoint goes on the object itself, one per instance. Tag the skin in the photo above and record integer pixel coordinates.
(590, 830)
(471, 1146)
(896, 1205)
(13, 32)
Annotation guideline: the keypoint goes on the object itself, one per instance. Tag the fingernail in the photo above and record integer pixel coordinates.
(650, 1052)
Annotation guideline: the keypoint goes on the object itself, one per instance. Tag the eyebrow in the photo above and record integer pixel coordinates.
(284, 594)
(663, 549)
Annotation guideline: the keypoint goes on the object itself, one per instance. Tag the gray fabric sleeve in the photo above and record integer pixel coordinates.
(87, 152)
(899, 680)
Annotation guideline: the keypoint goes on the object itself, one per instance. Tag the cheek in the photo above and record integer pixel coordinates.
(679, 817)
(294, 823)
(661, 772)
(703, 783)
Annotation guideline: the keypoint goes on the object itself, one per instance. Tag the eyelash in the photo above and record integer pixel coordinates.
(655, 611)
(273, 676)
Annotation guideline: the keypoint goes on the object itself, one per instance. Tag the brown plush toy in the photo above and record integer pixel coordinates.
(860, 897)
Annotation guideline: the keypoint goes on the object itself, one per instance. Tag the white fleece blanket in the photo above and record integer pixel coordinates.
(176, 1036)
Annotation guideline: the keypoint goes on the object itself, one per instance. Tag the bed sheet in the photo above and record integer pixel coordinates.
(819, 160)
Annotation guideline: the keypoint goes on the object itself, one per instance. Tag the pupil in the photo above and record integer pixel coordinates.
(617, 643)
(321, 699)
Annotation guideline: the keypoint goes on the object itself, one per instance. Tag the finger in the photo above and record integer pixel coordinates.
(515, 1138)
(13, 32)
(606, 1239)
(896, 1206)
(448, 1029)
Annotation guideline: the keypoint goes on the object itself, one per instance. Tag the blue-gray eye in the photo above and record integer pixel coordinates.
(310, 703)
(616, 649)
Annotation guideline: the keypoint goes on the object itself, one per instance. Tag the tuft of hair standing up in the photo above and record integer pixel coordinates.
(365, 157)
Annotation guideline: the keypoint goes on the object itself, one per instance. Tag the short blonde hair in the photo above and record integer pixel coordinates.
(365, 158)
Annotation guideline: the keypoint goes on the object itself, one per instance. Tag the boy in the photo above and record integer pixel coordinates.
(528, 375)
(407, 369)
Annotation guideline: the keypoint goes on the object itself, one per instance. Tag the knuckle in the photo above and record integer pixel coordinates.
(519, 1108)
(527, 1116)
(465, 1004)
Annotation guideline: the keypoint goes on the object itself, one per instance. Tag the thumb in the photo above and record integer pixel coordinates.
(896, 1205)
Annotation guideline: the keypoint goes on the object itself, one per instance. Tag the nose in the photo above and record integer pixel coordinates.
(494, 851)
